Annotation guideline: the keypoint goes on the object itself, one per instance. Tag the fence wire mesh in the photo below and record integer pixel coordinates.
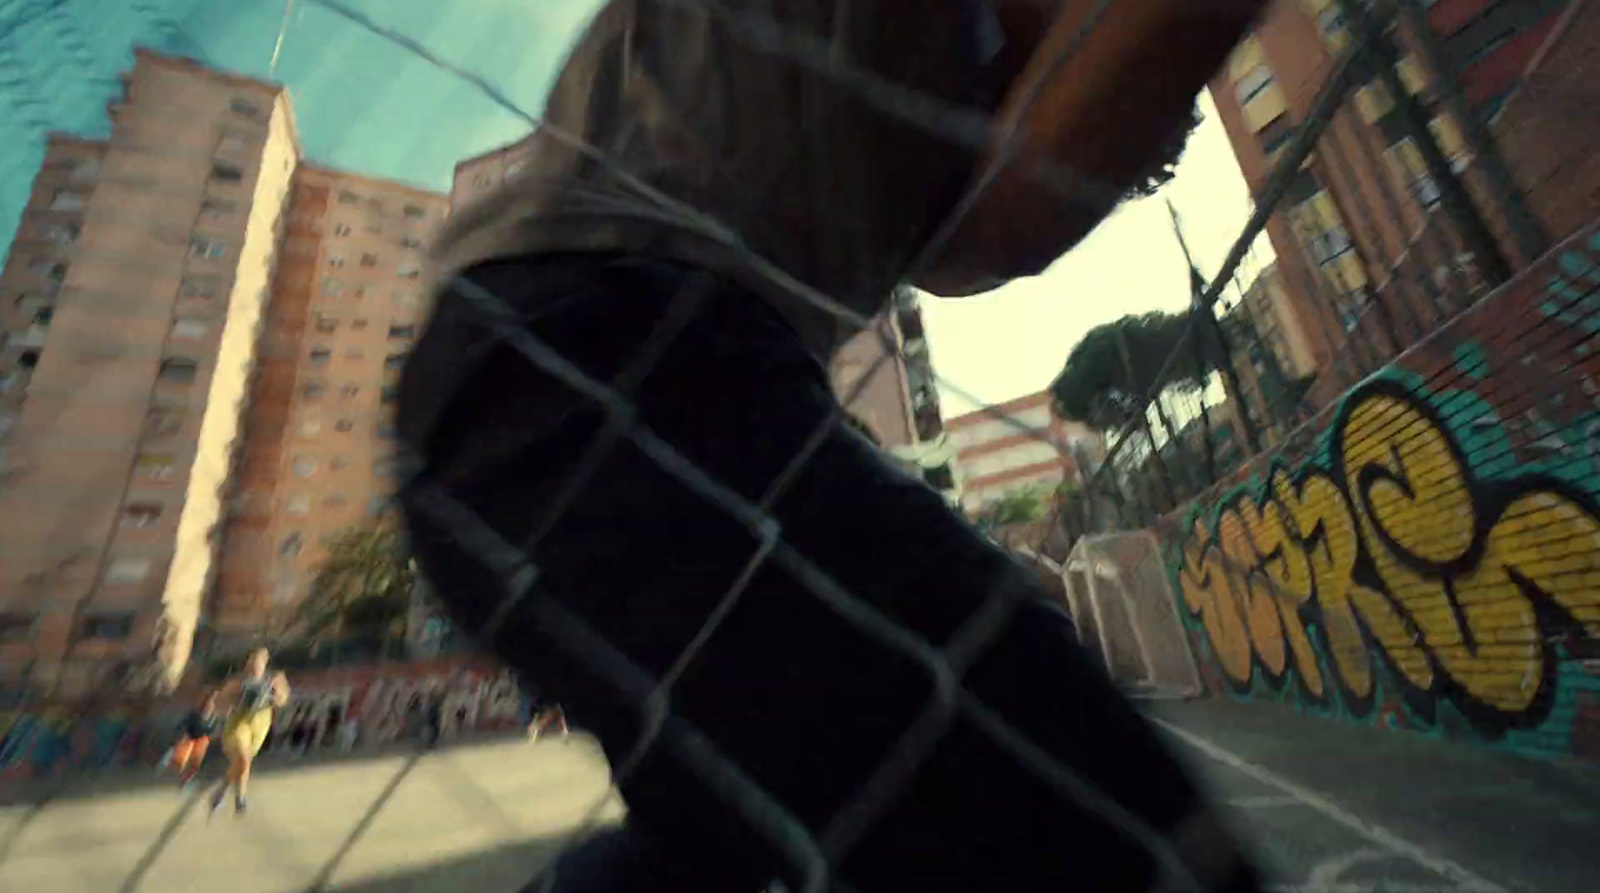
(1173, 443)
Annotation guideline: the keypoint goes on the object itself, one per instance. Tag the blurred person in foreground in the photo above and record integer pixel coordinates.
(195, 732)
(749, 166)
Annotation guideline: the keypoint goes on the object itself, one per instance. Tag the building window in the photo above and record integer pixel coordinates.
(62, 233)
(348, 391)
(336, 261)
(199, 287)
(408, 271)
(313, 390)
(218, 207)
(369, 260)
(140, 515)
(385, 467)
(310, 427)
(290, 547)
(224, 172)
(320, 356)
(341, 229)
(51, 270)
(117, 625)
(482, 181)
(338, 463)
(390, 394)
(244, 108)
(1405, 160)
(202, 248)
(358, 325)
(164, 421)
(1276, 134)
(16, 625)
(29, 358)
(128, 570)
(67, 201)
(190, 329)
(346, 197)
(43, 316)
(331, 287)
(299, 504)
(344, 426)
(304, 466)
(402, 330)
(394, 361)
(1252, 83)
(388, 431)
(84, 170)
(232, 139)
(411, 243)
(334, 500)
(155, 466)
(178, 370)
(415, 212)
(326, 324)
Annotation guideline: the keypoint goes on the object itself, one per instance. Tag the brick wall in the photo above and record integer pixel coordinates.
(1548, 132)
(1426, 554)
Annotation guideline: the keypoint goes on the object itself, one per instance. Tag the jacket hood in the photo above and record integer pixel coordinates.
(717, 133)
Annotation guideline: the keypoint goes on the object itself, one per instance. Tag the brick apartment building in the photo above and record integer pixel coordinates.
(318, 458)
(132, 299)
(1018, 445)
(200, 337)
(1362, 219)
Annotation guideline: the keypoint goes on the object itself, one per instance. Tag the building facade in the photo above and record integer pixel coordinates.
(319, 453)
(1360, 235)
(133, 296)
(1019, 445)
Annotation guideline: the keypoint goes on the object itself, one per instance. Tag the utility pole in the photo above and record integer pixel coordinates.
(1204, 316)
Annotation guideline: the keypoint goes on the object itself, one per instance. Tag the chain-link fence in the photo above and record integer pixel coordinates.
(1175, 442)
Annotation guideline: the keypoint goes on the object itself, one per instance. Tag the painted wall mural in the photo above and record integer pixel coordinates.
(330, 710)
(1433, 561)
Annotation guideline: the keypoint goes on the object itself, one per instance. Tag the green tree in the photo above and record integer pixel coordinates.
(362, 587)
(1098, 387)
(1016, 507)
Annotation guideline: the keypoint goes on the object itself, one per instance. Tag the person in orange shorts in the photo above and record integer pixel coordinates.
(194, 738)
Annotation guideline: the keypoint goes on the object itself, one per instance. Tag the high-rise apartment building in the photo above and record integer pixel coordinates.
(1361, 224)
(131, 301)
(319, 452)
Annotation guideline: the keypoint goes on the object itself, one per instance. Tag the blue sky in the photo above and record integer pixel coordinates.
(362, 103)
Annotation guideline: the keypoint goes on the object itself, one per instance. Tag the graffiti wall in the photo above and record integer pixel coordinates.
(330, 710)
(1432, 560)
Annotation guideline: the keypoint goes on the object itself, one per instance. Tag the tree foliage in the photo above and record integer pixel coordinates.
(363, 586)
(1095, 385)
(1016, 507)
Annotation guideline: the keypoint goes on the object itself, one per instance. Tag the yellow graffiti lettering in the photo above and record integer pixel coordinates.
(1404, 554)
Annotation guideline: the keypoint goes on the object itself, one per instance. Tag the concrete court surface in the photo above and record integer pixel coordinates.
(1328, 808)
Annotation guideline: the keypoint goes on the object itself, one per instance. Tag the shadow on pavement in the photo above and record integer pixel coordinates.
(506, 869)
(97, 783)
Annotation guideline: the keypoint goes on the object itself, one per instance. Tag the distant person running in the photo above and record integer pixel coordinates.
(254, 696)
(199, 726)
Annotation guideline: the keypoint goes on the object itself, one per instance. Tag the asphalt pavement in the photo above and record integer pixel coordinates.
(1327, 808)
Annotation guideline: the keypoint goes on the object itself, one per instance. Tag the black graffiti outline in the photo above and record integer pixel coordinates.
(1489, 498)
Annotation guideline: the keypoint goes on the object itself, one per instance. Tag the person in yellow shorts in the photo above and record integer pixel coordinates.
(253, 695)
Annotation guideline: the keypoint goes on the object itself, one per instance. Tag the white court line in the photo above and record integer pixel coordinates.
(1469, 882)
